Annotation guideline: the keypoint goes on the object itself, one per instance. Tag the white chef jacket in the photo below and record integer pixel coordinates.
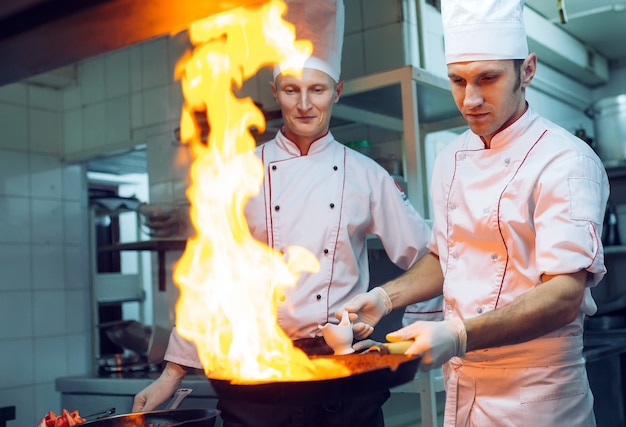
(531, 204)
(328, 202)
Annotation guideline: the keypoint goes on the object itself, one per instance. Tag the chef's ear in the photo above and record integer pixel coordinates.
(338, 90)
(529, 66)
(274, 89)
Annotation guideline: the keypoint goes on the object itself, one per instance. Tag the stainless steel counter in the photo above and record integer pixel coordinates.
(91, 394)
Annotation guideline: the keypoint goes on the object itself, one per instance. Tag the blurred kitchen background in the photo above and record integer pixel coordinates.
(90, 163)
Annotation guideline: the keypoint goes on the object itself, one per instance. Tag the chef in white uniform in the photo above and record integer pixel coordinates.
(516, 246)
(323, 196)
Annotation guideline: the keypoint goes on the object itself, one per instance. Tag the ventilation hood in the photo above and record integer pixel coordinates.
(37, 36)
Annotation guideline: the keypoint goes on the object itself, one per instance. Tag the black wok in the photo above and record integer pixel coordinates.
(371, 372)
(163, 418)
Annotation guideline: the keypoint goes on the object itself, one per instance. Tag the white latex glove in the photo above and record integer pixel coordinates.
(366, 310)
(435, 342)
(364, 345)
(161, 389)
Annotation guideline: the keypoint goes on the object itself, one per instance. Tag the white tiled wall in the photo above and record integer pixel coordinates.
(44, 287)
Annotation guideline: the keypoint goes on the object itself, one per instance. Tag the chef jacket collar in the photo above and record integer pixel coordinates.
(292, 149)
(514, 131)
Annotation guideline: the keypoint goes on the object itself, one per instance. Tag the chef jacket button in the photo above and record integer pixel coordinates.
(486, 210)
(455, 256)
(276, 208)
(507, 161)
(452, 207)
(325, 251)
(494, 256)
(318, 296)
(332, 205)
(273, 167)
(335, 168)
(479, 310)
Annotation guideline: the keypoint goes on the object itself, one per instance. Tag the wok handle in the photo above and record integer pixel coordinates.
(180, 394)
(391, 347)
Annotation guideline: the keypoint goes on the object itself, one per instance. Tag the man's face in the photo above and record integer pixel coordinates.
(489, 94)
(306, 103)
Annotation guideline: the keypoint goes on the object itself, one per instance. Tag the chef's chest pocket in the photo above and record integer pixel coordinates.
(549, 405)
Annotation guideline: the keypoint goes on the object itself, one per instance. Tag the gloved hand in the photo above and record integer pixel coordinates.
(366, 310)
(435, 342)
(160, 390)
(363, 345)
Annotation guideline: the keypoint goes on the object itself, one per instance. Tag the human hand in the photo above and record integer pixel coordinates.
(435, 342)
(363, 345)
(159, 390)
(366, 310)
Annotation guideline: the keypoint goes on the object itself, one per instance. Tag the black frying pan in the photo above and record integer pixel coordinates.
(164, 418)
(371, 372)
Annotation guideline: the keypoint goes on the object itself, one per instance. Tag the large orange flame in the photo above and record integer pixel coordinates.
(229, 282)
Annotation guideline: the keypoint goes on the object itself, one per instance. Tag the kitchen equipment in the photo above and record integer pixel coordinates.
(163, 418)
(609, 116)
(371, 372)
(161, 219)
(128, 334)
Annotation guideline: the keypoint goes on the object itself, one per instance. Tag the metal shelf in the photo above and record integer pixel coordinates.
(160, 246)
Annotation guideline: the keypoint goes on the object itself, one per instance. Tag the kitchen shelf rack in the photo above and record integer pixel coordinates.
(160, 246)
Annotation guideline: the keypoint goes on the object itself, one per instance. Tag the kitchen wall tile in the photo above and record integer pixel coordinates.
(71, 98)
(177, 45)
(44, 131)
(378, 13)
(74, 216)
(154, 63)
(136, 69)
(73, 131)
(15, 219)
(44, 98)
(15, 93)
(117, 119)
(378, 55)
(156, 106)
(353, 62)
(13, 306)
(47, 221)
(117, 73)
(91, 79)
(177, 100)
(354, 16)
(14, 125)
(46, 178)
(136, 110)
(78, 313)
(74, 183)
(94, 127)
(22, 399)
(48, 267)
(46, 397)
(15, 264)
(47, 305)
(55, 363)
(18, 355)
(77, 262)
(79, 362)
(14, 174)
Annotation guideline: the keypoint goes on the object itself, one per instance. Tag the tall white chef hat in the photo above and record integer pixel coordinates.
(322, 22)
(478, 30)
